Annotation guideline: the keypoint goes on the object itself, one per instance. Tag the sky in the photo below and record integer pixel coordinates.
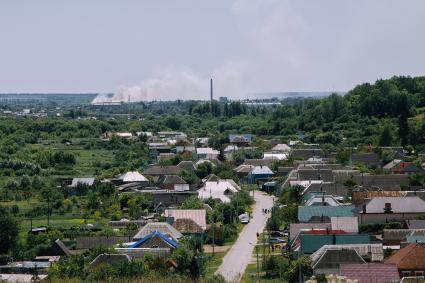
(167, 49)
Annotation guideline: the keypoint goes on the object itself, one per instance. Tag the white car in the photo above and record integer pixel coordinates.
(244, 218)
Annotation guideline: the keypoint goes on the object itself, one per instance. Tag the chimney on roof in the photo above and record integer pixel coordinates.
(388, 208)
(364, 208)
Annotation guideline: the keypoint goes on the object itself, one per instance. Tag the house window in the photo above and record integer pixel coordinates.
(419, 273)
(405, 273)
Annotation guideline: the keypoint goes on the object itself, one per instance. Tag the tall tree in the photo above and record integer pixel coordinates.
(8, 231)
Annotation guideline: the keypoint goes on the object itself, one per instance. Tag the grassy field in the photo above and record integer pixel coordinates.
(250, 275)
(213, 263)
(86, 159)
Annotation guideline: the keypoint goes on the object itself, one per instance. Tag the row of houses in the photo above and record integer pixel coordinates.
(345, 215)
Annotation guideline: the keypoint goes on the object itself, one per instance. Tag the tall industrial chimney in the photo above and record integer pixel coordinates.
(211, 89)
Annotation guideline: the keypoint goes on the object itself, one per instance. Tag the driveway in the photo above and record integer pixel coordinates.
(240, 254)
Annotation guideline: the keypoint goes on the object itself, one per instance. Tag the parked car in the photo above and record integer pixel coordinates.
(244, 218)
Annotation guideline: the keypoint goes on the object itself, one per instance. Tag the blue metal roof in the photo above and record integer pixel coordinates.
(164, 237)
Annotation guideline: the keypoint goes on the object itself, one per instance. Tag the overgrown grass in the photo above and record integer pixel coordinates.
(213, 263)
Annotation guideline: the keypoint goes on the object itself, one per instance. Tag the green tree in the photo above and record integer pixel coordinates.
(386, 138)
(8, 232)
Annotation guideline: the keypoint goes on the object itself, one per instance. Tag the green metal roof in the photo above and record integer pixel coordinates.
(306, 212)
(311, 243)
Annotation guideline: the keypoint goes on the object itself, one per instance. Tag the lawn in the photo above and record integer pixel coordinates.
(213, 262)
(251, 273)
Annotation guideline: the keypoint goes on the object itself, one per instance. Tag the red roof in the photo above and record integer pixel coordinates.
(370, 272)
(411, 257)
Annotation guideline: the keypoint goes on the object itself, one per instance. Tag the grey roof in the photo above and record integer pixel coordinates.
(315, 174)
(307, 153)
(172, 179)
(162, 227)
(415, 224)
(331, 259)
(399, 235)
(163, 170)
(372, 252)
(187, 165)
(211, 178)
(258, 162)
(261, 170)
(305, 213)
(398, 205)
(370, 159)
(83, 181)
(347, 224)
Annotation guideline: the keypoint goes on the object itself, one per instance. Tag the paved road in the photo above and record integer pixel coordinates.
(238, 257)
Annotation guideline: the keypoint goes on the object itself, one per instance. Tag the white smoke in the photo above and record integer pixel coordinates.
(181, 83)
(294, 45)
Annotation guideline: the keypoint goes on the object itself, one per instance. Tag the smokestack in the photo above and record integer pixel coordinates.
(211, 89)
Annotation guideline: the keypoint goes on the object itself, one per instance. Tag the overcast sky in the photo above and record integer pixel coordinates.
(248, 46)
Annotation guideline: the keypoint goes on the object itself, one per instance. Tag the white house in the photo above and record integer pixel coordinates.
(132, 176)
(207, 152)
(221, 189)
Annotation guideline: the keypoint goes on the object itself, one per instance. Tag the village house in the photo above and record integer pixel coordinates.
(157, 171)
(324, 213)
(240, 140)
(259, 173)
(369, 272)
(284, 148)
(410, 260)
(206, 153)
(386, 209)
(222, 190)
(162, 227)
(187, 221)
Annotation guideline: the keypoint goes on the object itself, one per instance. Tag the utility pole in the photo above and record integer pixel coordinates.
(48, 211)
(213, 240)
(258, 265)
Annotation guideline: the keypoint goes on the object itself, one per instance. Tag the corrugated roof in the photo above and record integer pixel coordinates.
(331, 259)
(311, 243)
(398, 205)
(347, 224)
(197, 215)
(370, 272)
(164, 237)
(261, 170)
(415, 224)
(307, 212)
(163, 170)
(221, 189)
(374, 251)
(411, 257)
(162, 227)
